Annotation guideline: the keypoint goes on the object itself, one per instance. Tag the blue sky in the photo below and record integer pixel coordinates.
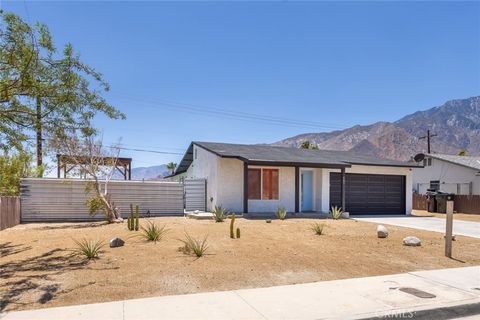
(329, 65)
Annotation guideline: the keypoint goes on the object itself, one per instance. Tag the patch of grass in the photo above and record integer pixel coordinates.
(88, 248)
(336, 212)
(219, 213)
(317, 228)
(153, 232)
(194, 246)
(281, 213)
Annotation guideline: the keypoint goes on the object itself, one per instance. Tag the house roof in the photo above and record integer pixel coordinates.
(286, 156)
(465, 161)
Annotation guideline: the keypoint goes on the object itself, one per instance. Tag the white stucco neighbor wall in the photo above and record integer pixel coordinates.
(452, 177)
(407, 172)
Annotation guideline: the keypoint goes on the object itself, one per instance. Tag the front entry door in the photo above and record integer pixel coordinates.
(307, 190)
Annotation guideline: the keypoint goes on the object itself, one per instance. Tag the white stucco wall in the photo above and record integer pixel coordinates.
(407, 172)
(451, 176)
(230, 184)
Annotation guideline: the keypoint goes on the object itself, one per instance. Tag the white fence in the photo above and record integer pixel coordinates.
(64, 199)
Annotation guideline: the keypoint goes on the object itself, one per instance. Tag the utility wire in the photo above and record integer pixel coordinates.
(220, 112)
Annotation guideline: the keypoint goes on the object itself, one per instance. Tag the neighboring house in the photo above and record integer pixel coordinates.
(448, 173)
(262, 178)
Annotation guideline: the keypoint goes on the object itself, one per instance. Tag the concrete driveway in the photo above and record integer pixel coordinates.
(460, 227)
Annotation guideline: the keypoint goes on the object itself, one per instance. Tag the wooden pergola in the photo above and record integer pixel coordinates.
(68, 163)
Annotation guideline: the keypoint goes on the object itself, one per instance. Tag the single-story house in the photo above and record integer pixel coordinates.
(263, 178)
(447, 173)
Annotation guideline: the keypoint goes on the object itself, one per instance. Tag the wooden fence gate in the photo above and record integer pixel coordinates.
(9, 212)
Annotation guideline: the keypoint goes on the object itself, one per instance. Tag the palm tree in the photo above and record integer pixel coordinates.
(171, 166)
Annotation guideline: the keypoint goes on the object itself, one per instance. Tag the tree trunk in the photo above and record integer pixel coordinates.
(38, 126)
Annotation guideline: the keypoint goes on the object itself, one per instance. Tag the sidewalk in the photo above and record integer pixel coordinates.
(340, 299)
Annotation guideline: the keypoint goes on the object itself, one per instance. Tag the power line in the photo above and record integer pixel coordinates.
(230, 114)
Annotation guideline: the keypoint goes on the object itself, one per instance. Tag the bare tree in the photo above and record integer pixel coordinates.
(92, 160)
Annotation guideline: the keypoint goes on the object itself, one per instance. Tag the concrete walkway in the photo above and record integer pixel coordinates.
(460, 227)
(340, 299)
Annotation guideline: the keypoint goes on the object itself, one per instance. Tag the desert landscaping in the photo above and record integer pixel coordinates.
(39, 269)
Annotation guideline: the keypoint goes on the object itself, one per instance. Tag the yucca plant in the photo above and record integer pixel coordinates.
(317, 228)
(281, 213)
(152, 232)
(336, 212)
(219, 213)
(194, 246)
(88, 248)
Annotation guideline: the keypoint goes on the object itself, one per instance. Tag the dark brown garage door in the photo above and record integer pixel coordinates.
(369, 193)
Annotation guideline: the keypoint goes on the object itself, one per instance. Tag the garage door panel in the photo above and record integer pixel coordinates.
(369, 193)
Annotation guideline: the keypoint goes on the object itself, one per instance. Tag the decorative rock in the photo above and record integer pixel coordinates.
(382, 231)
(268, 221)
(412, 241)
(345, 215)
(116, 242)
(196, 212)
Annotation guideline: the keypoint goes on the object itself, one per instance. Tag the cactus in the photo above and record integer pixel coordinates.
(130, 218)
(137, 223)
(232, 223)
(238, 233)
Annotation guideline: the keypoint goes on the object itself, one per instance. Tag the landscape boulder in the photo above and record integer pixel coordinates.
(116, 242)
(382, 231)
(412, 241)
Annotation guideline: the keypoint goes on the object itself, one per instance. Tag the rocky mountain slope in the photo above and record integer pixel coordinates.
(456, 123)
(150, 173)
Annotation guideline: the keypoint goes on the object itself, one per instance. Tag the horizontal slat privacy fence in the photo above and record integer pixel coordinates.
(64, 199)
(462, 203)
(195, 194)
(9, 212)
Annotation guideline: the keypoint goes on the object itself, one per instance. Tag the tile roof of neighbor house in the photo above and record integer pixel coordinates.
(266, 154)
(466, 161)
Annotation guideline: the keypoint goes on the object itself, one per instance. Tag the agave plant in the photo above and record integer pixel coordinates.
(336, 212)
(281, 213)
(219, 213)
(153, 232)
(194, 246)
(317, 228)
(88, 248)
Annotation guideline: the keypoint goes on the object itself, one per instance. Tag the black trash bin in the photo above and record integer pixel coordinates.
(441, 199)
(431, 201)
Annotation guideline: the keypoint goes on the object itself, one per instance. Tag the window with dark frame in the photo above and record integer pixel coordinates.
(434, 185)
(254, 184)
(263, 184)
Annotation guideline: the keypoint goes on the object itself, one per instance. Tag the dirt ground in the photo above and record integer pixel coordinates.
(38, 270)
(456, 216)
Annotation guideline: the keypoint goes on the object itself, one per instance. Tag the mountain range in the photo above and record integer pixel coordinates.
(150, 173)
(455, 124)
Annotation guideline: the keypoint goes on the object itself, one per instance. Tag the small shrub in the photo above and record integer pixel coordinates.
(336, 212)
(194, 246)
(153, 232)
(232, 226)
(317, 228)
(238, 233)
(88, 248)
(281, 213)
(219, 213)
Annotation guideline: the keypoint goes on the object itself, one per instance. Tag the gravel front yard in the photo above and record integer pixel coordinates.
(38, 269)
